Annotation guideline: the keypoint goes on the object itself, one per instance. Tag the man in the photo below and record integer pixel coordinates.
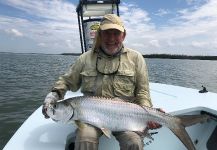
(109, 70)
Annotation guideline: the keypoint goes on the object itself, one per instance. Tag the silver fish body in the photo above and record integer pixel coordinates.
(118, 115)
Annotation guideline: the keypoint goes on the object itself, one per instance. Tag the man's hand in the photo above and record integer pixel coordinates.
(51, 97)
(153, 125)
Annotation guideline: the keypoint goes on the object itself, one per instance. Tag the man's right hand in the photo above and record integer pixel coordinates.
(51, 97)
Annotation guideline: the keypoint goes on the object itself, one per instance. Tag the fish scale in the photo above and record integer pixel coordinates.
(107, 111)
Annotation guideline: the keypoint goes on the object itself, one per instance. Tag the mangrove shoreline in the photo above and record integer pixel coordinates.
(165, 56)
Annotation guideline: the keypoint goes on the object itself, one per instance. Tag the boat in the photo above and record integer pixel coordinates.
(38, 133)
(45, 134)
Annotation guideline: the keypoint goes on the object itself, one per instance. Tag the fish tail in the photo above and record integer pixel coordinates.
(185, 121)
(189, 120)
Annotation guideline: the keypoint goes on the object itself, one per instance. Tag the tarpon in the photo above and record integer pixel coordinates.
(115, 114)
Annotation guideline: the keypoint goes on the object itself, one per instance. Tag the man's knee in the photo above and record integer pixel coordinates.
(129, 141)
(134, 142)
(87, 138)
(88, 133)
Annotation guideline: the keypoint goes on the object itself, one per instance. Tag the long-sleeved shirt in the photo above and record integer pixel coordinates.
(95, 73)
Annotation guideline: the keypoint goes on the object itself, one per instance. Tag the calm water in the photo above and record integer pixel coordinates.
(25, 79)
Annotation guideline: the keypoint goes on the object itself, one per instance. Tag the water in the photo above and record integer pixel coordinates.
(186, 73)
(25, 79)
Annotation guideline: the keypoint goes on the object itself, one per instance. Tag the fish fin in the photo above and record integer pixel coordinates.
(144, 133)
(118, 99)
(107, 132)
(79, 124)
(144, 107)
(189, 120)
(149, 136)
(182, 134)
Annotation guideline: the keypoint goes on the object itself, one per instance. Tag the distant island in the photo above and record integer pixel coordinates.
(74, 54)
(170, 56)
(154, 56)
(165, 56)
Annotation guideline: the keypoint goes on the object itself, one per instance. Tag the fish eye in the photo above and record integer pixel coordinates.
(54, 106)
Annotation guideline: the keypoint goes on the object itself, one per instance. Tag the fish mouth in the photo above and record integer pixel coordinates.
(52, 108)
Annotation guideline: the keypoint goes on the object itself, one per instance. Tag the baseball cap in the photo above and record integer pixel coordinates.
(111, 21)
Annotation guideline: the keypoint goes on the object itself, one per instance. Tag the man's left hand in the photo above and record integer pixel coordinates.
(153, 125)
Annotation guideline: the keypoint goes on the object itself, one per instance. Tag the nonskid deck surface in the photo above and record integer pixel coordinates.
(45, 134)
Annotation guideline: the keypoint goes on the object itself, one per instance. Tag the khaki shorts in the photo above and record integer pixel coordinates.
(89, 136)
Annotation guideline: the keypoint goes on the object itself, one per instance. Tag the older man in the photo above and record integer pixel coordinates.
(109, 70)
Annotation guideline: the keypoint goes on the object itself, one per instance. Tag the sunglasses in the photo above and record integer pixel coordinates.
(112, 72)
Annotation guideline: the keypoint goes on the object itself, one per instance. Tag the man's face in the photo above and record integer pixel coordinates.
(111, 40)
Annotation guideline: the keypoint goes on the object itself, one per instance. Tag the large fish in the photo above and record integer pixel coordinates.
(117, 115)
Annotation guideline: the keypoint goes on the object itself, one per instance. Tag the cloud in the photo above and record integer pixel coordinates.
(14, 32)
(134, 16)
(206, 12)
(199, 44)
(161, 12)
(42, 44)
(154, 43)
(55, 10)
(190, 32)
(48, 23)
(52, 25)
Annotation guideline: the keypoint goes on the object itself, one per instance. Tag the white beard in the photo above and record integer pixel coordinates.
(108, 52)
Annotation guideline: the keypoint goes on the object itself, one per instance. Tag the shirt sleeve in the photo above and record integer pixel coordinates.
(142, 83)
(70, 80)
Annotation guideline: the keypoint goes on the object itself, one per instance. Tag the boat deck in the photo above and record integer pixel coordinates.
(44, 134)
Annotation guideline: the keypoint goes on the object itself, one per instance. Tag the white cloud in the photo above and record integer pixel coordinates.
(53, 25)
(154, 43)
(206, 12)
(198, 44)
(14, 32)
(189, 33)
(42, 44)
(161, 12)
(135, 18)
(49, 23)
(54, 10)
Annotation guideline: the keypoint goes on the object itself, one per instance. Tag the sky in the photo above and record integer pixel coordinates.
(186, 27)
